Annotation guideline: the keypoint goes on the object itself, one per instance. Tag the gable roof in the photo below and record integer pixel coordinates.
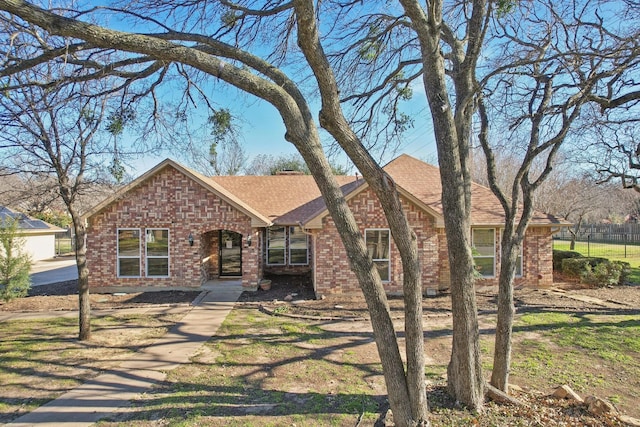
(422, 180)
(257, 219)
(28, 224)
(296, 199)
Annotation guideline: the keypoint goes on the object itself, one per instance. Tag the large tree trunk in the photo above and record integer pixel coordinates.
(451, 128)
(464, 373)
(309, 147)
(333, 120)
(506, 313)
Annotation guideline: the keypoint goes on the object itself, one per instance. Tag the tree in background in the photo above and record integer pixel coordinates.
(226, 154)
(14, 263)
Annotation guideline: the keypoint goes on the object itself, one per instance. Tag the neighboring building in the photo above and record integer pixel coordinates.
(175, 228)
(39, 236)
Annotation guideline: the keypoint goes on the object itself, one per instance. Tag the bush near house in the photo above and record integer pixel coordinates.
(594, 271)
(14, 264)
(559, 256)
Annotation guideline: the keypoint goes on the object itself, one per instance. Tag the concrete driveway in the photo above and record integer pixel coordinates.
(53, 271)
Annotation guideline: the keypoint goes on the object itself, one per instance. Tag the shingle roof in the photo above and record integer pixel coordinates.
(284, 199)
(423, 181)
(294, 199)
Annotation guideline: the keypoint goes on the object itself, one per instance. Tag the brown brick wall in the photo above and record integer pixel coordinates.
(334, 275)
(537, 260)
(172, 200)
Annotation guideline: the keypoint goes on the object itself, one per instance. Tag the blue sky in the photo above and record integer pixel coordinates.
(262, 131)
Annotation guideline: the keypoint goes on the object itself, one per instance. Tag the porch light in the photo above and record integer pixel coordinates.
(249, 240)
(190, 239)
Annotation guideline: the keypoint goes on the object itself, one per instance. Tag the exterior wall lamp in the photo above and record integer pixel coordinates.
(190, 238)
(249, 240)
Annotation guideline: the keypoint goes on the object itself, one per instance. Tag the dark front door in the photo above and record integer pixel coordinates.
(230, 253)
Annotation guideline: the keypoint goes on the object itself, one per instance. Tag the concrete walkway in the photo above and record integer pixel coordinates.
(114, 389)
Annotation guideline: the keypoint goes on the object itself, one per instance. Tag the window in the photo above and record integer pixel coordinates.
(484, 250)
(157, 252)
(378, 246)
(298, 246)
(129, 252)
(275, 245)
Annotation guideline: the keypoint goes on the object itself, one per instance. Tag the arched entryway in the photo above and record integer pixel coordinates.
(230, 254)
(221, 254)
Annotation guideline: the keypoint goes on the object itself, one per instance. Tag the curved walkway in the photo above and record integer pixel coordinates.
(114, 389)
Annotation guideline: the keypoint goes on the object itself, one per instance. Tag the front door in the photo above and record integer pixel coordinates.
(230, 253)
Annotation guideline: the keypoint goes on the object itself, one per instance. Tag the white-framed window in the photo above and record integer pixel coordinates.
(379, 247)
(298, 247)
(128, 252)
(276, 245)
(157, 252)
(484, 250)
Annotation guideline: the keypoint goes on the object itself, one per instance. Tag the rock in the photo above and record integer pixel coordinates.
(498, 395)
(288, 298)
(513, 387)
(598, 406)
(388, 419)
(633, 422)
(338, 307)
(566, 392)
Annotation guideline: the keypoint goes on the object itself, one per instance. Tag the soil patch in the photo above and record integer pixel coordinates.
(64, 296)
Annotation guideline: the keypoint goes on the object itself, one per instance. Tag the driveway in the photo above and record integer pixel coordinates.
(53, 271)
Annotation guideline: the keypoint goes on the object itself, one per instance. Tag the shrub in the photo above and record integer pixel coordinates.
(558, 256)
(14, 265)
(596, 271)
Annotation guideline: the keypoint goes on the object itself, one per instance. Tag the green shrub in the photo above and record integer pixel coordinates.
(14, 264)
(596, 271)
(558, 256)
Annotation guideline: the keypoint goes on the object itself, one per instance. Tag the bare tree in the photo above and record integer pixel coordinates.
(49, 130)
(257, 76)
(551, 60)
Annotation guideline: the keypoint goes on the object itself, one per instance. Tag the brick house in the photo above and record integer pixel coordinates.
(175, 228)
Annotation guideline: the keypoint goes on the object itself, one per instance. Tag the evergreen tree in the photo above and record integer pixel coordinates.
(14, 263)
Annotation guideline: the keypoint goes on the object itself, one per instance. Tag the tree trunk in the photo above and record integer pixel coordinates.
(333, 120)
(464, 373)
(384, 333)
(84, 304)
(506, 313)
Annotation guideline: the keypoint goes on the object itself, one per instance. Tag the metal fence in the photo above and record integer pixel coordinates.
(621, 241)
(609, 233)
(65, 242)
